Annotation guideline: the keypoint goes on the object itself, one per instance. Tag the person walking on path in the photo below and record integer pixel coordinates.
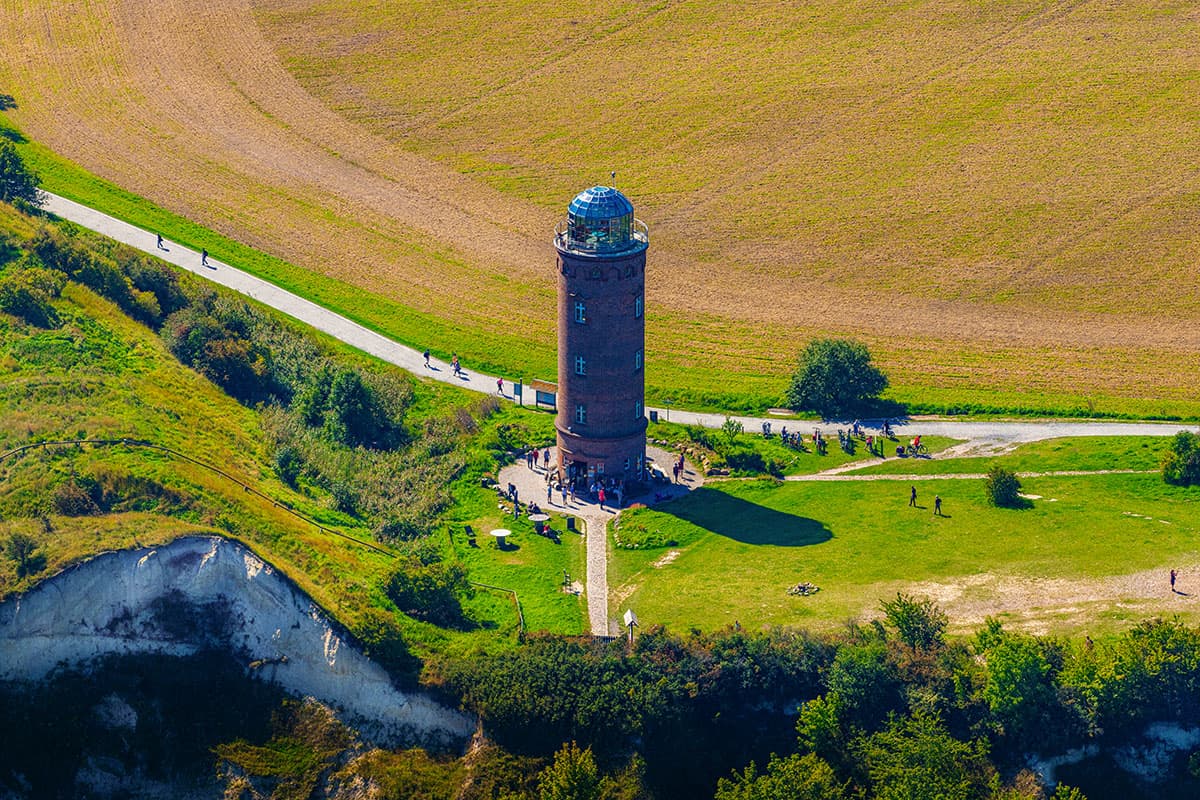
(1172, 580)
(563, 488)
(600, 493)
(160, 244)
(549, 494)
(426, 354)
(912, 496)
(500, 386)
(546, 458)
(937, 505)
(204, 258)
(454, 367)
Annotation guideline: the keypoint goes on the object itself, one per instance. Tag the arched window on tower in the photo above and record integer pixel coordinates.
(580, 311)
(580, 365)
(637, 410)
(637, 306)
(581, 414)
(637, 361)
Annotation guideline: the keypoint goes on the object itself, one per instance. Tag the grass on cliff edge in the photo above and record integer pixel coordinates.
(102, 375)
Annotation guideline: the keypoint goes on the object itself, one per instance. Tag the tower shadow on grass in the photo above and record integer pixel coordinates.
(743, 521)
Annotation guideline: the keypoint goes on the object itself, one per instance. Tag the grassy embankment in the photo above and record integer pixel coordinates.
(101, 375)
(1086, 555)
(904, 198)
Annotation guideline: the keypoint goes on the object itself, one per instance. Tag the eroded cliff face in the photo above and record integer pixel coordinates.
(202, 593)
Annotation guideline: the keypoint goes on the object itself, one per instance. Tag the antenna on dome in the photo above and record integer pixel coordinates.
(613, 175)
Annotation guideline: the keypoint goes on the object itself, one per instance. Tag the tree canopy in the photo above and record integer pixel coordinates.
(835, 378)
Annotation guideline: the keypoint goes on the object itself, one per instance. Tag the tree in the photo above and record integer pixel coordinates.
(1181, 463)
(1020, 688)
(920, 623)
(573, 776)
(797, 777)
(17, 181)
(835, 378)
(21, 549)
(1003, 488)
(732, 429)
(916, 757)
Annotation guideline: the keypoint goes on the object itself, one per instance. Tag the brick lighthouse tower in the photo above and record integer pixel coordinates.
(601, 420)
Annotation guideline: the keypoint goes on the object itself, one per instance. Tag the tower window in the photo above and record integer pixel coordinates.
(637, 360)
(637, 306)
(637, 410)
(581, 414)
(580, 365)
(580, 312)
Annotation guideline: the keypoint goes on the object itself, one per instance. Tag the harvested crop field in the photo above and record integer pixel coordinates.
(1001, 198)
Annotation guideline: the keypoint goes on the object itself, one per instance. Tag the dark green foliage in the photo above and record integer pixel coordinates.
(916, 757)
(1181, 464)
(429, 591)
(797, 777)
(239, 366)
(701, 436)
(745, 459)
(71, 499)
(920, 623)
(835, 378)
(287, 465)
(22, 549)
(1150, 673)
(866, 685)
(573, 776)
(383, 641)
(1019, 689)
(347, 409)
(1003, 489)
(17, 180)
(27, 292)
(143, 289)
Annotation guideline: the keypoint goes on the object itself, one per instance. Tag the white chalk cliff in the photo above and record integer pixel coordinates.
(202, 593)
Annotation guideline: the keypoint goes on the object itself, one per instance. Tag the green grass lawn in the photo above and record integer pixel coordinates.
(731, 550)
(1075, 453)
(531, 565)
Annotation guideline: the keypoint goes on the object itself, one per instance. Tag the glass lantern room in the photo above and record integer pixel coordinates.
(600, 220)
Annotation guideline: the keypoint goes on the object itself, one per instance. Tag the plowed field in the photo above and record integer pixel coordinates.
(1000, 198)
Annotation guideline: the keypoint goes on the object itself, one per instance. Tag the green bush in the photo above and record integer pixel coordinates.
(835, 378)
(27, 292)
(72, 500)
(429, 592)
(1181, 463)
(1003, 489)
(920, 623)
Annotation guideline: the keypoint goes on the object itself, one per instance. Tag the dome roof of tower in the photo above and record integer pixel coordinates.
(600, 202)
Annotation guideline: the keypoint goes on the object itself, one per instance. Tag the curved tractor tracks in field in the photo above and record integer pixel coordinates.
(186, 103)
(980, 436)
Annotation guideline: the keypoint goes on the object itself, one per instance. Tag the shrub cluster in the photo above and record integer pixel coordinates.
(887, 710)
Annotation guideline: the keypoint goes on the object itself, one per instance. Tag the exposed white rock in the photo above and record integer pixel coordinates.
(205, 592)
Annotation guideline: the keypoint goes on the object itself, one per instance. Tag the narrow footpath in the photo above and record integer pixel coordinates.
(975, 434)
(411, 360)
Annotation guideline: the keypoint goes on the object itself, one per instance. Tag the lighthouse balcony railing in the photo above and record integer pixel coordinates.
(598, 241)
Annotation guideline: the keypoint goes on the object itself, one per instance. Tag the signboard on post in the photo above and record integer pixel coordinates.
(545, 393)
